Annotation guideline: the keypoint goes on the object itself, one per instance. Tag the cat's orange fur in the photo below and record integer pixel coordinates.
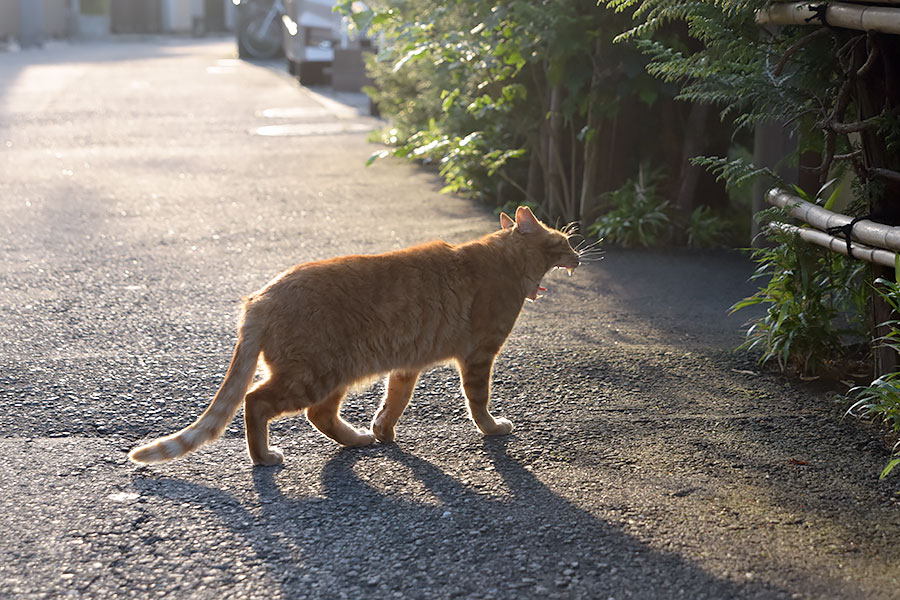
(324, 326)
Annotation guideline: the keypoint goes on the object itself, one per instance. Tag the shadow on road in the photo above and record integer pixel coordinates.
(450, 539)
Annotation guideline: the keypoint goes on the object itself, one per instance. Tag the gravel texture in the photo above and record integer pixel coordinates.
(649, 460)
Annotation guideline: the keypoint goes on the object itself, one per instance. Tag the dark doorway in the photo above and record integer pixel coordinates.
(135, 16)
(215, 15)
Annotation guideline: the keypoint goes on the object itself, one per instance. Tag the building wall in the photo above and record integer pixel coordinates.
(177, 16)
(9, 19)
(56, 18)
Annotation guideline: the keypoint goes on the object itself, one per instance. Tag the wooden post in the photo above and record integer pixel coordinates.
(886, 359)
(876, 91)
(772, 142)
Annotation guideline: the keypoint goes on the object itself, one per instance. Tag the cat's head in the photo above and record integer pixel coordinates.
(545, 244)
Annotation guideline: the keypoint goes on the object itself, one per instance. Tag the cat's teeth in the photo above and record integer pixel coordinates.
(570, 270)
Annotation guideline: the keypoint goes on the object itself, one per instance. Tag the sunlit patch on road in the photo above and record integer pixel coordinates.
(295, 112)
(306, 129)
(223, 66)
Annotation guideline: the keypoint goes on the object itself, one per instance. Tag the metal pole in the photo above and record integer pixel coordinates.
(31, 23)
(73, 27)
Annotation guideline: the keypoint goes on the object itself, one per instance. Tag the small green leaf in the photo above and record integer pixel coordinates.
(449, 99)
(377, 155)
(381, 18)
(415, 52)
(586, 134)
(890, 466)
(832, 198)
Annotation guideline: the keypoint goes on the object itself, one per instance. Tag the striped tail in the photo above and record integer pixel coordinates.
(216, 417)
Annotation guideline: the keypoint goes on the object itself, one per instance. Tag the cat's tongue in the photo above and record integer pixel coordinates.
(534, 294)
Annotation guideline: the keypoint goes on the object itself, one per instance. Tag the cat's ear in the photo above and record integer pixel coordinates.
(526, 221)
(505, 221)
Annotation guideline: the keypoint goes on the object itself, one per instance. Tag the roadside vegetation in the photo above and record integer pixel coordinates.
(534, 103)
(636, 118)
(830, 88)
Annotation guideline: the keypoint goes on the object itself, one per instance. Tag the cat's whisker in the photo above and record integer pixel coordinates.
(570, 229)
(586, 252)
(582, 248)
(591, 253)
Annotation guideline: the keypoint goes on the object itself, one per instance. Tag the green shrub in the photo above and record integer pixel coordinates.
(518, 101)
(706, 230)
(812, 303)
(880, 400)
(638, 216)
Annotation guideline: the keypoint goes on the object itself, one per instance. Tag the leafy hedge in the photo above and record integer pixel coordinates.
(526, 102)
(837, 92)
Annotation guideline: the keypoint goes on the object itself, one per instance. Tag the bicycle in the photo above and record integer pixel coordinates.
(260, 33)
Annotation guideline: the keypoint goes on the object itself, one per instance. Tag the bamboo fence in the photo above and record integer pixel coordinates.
(870, 241)
(878, 256)
(862, 17)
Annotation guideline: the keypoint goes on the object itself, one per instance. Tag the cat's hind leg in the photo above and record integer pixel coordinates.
(475, 373)
(325, 417)
(264, 403)
(400, 385)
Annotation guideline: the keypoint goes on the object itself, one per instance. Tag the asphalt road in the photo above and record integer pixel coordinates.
(142, 192)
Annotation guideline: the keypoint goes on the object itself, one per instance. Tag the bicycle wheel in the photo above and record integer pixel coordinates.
(261, 36)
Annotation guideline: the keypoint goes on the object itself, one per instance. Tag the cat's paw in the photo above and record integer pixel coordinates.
(501, 426)
(273, 457)
(364, 438)
(382, 432)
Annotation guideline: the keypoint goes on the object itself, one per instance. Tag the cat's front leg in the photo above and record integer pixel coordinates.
(476, 381)
(400, 385)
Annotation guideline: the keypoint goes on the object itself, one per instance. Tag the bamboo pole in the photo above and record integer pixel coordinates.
(862, 2)
(878, 256)
(867, 232)
(837, 14)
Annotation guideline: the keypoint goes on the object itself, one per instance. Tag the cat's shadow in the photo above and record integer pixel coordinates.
(514, 538)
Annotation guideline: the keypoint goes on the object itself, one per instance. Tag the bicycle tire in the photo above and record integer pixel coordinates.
(258, 43)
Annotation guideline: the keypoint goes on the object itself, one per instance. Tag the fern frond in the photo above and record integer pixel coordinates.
(734, 173)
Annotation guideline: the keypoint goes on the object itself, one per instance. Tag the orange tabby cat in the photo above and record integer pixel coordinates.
(324, 326)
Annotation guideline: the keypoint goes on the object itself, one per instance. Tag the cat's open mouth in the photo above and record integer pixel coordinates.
(536, 293)
(568, 265)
